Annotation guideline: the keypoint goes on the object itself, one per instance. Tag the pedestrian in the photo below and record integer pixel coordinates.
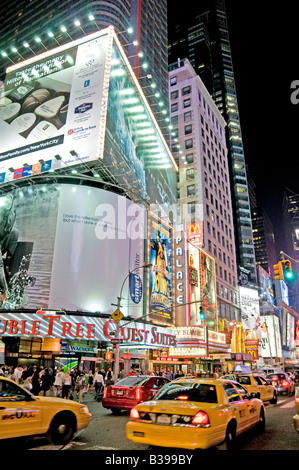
(35, 381)
(98, 383)
(66, 388)
(46, 383)
(131, 372)
(27, 383)
(169, 376)
(58, 383)
(90, 380)
(18, 373)
(109, 377)
(80, 386)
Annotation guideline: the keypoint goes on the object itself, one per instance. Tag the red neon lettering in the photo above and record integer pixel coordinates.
(66, 329)
(106, 329)
(91, 331)
(51, 320)
(80, 330)
(35, 327)
(13, 329)
(23, 332)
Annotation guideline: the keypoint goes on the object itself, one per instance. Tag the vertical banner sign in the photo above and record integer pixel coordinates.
(161, 271)
(250, 310)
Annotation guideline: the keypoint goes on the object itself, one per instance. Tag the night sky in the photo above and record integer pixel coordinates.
(264, 44)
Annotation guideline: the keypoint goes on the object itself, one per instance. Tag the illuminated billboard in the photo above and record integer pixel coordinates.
(160, 294)
(71, 247)
(81, 103)
(51, 111)
(250, 310)
(201, 287)
(266, 285)
(270, 336)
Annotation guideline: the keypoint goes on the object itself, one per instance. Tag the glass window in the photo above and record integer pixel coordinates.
(186, 90)
(191, 190)
(173, 81)
(188, 129)
(11, 392)
(188, 391)
(174, 107)
(231, 392)
(174, 94)
(187, 103)
(189, 158)
(244, 393)
(188, 144)
(187, 116)
(243, 379)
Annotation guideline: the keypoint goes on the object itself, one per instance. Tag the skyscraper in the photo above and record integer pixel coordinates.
(199, 147)
(203, 37)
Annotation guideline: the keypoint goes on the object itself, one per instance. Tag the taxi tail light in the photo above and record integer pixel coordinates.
(134, 413)
(201, 418)
(284, 383)
(105, 392)
(138, 393)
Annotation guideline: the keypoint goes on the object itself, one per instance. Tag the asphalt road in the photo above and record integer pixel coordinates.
(106, 433)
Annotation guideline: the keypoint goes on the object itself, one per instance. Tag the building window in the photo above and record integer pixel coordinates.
(173, 81)
(174, 95)
(187, 116)
(174, 107)
(190, 174)
(191, 190)
(186, 90)
(188, 129)
(188, 144)
(191, 207)
(187, 103)
(189, 158)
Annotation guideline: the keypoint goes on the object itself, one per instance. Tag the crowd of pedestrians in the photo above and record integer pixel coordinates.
(42, 380)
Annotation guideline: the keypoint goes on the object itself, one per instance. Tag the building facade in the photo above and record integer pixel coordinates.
(203, 38)
(199, 147)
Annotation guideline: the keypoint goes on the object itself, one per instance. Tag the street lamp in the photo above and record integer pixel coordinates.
(116, 367)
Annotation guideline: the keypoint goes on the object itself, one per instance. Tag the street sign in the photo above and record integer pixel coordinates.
(116, 341)
(117, 315)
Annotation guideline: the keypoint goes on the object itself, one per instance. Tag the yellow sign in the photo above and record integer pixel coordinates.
(117, 315)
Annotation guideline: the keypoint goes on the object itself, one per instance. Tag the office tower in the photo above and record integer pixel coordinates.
(263, 237)
(38, 23)
(199, 147)
(202, 36)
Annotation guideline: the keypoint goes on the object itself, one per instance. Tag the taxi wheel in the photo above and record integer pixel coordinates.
(62, 429)
(230, 435)
(261, 422)
(274, 399)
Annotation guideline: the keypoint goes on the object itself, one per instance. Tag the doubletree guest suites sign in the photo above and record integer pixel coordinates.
(57, 324)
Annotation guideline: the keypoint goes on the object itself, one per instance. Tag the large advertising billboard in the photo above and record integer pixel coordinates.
(71, 247)
(250, 310)
(51, 110)
(266, 285)
(201, 287)
(160, 294)
(135, 151)
(270, 337)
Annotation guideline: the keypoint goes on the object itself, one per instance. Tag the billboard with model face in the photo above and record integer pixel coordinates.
(250, 310)
(160, 294)
(70, 247)
(52, 106)
(202, 287)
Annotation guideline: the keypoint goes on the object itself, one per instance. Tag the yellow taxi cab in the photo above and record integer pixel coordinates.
(296, 417)
(196, 414)
(256, 384)
(22, 414)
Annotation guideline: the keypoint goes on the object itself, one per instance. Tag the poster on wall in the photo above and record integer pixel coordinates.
(202, 287)
(266, 285)
(160, 305)
(71, 247)
(270, 337)
(51, 108)
(250, 311)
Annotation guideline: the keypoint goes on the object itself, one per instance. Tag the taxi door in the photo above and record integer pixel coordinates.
(265, 391)
(252, 412)
(239, 406)
(19, 414)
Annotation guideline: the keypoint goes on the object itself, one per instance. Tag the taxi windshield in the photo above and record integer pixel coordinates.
(188, 391)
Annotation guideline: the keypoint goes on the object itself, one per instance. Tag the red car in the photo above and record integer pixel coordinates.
(130, 391)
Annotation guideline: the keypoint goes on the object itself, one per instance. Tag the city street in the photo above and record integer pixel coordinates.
(106, 432)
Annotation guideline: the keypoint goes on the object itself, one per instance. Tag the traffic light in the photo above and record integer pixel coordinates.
(201, 315)
(287, 270)
(278, 270)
